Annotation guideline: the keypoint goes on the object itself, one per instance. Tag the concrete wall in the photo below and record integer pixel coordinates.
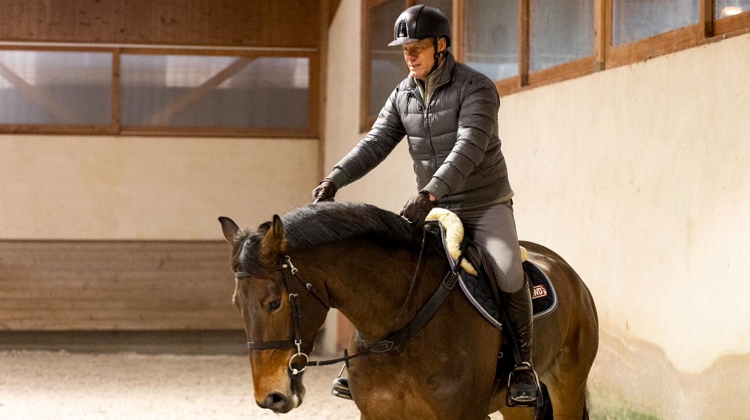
(122, 188)
(637, 176)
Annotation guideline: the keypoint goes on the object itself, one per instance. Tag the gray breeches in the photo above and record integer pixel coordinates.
(494, 228)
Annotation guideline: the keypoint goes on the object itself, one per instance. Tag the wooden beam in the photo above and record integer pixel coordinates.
(116, 102)
(708, 12)
(325, 22)
(57, 110)
(662, 44)
(333, 7)
(364, 66)
(524, 33)
(193, 95)
(732, 25)
(562, 72)
(459, 42)
(601, 26)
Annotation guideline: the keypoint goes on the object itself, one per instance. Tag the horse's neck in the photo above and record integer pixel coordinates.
(369, 283)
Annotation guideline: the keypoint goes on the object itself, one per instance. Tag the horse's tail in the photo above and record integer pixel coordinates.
(545, 411)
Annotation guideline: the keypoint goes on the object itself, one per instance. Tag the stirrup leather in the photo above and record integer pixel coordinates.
(532, 398)
(341, 386)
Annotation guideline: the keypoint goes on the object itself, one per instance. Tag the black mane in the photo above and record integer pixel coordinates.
(322, 223)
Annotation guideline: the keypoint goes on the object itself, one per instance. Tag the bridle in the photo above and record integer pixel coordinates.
(383, 345)
(289, 272)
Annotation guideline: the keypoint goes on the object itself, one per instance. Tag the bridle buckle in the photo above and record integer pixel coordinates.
(292, 268)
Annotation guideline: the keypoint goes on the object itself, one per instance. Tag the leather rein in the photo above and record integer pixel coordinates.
(290, 272)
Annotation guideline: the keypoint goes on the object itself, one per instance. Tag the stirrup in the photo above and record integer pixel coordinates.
(341, 386)
(527, 395)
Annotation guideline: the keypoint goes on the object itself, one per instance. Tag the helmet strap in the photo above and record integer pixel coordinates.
(437, 55)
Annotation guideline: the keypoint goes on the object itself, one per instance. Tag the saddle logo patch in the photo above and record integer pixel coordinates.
(539, 291)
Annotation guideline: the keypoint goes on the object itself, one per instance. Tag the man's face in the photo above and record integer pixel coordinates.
(419, 57)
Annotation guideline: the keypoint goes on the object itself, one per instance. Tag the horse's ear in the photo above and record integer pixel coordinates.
(229, 228)
(274, 242)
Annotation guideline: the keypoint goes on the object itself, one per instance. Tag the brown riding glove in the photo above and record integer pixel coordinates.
(325, 191)
(417, 209)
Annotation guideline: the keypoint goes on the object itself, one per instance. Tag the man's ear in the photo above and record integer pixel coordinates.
(442, 45)
(274, 242)
(229, 228)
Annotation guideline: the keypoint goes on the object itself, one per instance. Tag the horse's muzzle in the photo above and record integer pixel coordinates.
(277, 402)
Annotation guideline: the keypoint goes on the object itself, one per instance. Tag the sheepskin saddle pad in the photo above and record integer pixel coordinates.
(476, 286)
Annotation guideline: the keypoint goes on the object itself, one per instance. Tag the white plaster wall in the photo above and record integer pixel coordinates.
(393, 182)
(636, 175)
(121, 188)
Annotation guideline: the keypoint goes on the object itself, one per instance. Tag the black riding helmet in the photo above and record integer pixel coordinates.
(420, 22)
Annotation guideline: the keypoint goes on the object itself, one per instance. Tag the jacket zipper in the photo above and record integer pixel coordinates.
(425, 118)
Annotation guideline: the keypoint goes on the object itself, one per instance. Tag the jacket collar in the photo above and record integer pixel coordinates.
(445, 76)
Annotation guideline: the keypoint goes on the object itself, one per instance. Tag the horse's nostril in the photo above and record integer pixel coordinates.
(275, 400)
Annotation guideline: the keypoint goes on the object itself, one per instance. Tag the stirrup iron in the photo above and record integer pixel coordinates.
(341, 386)
(528, 400)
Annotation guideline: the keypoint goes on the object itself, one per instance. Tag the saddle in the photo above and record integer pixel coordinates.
(475, 275)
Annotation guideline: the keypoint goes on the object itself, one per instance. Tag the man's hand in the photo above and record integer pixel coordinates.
(417, 208)
(325, 191)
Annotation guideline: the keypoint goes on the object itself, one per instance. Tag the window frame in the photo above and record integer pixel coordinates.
(85, 129)
(606, 55)
(366, 121)
(116, 128)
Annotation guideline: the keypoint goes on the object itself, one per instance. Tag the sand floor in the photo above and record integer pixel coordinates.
(59, 385)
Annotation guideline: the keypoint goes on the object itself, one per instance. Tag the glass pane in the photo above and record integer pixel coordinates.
(639, 19)
(214, 92)
(44, 87)
(561, 31)
(726, 8)
(387, 67)
(492, 37)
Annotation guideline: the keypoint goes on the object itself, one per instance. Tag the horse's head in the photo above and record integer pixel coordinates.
(262, 297)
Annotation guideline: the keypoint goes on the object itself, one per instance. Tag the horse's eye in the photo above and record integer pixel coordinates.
(276, 304)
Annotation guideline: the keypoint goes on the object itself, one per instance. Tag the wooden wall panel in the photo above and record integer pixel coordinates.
(48, 286)
(255, 23)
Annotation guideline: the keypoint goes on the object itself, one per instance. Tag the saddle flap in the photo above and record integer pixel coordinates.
(474, 278)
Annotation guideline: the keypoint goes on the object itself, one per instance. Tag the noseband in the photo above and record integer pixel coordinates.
(289, 272)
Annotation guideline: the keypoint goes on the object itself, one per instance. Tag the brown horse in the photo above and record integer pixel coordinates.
(362, 260)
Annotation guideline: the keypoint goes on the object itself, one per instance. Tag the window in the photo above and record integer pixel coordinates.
(384, 66)
(561, 31)
(214, 91)
(491, 37)
(55, 88)
(387, 63)
(186, 91)
(728, 8)
(634, 20)
(527, 43)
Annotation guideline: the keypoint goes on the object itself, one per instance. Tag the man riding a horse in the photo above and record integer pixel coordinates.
(448, 112)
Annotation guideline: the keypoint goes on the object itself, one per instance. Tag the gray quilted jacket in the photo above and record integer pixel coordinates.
(452, 140)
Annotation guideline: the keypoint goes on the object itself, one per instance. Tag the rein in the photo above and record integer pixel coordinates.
(379, 346)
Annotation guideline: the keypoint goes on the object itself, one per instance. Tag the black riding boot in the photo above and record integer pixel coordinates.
(523, 386)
